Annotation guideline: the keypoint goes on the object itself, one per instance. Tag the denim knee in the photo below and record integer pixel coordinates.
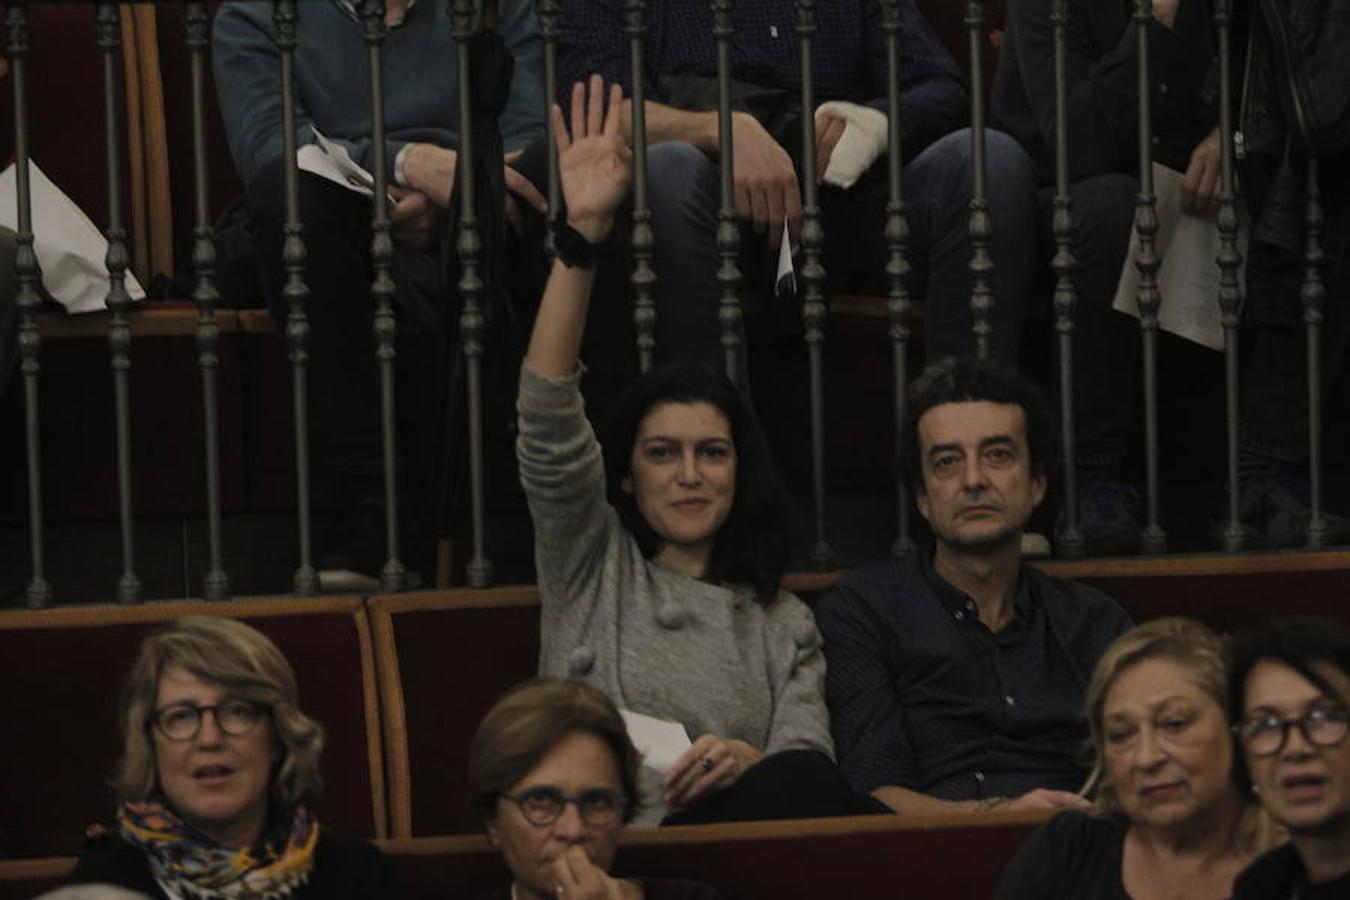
(681, 182)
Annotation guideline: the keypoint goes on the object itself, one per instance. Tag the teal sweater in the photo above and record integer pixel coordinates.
(420, 76)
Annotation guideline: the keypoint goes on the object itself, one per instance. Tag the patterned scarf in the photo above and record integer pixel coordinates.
(192, 866)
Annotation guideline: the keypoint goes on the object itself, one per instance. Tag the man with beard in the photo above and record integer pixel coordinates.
(955, 676)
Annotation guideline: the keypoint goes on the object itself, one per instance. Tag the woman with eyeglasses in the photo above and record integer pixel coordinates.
(1291, 701)
(1168, 817)
(553, 775)
(660, 561)
(218, 767)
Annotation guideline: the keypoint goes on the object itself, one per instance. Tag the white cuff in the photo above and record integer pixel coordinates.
(400, 166)
(864, 139)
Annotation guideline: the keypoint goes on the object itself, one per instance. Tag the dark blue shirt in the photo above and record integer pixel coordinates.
(923, 695)
(850, 54)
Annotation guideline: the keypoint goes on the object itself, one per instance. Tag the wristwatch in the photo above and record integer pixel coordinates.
(572, 247)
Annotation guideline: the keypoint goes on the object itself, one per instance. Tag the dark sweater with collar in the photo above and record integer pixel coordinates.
(923, 695)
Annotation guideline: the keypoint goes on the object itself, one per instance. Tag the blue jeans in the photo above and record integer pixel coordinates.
(684, 194)
(1105, 342)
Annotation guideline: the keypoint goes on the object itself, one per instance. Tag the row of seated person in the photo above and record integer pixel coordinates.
(219, 757)
(406, 678)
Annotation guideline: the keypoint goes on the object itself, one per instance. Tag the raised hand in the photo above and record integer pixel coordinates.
(594, 163)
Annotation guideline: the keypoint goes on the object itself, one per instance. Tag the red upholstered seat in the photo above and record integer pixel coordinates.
(444, 658)
(62, 670)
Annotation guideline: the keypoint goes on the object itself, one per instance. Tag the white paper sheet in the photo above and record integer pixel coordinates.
(70, 249)
(660, 742)
(329, 159)
(785, 280)
(1188, 278)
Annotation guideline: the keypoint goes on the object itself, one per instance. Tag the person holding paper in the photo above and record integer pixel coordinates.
(851, 137)
(554, 778)
(1104, 188)
(659, 563)
(421, 109)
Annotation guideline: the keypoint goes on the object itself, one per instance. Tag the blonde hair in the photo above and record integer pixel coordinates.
(528, 722)
(249, 666)
(1199, 651)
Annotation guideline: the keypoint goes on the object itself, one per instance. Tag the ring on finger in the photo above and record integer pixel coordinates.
(707, 763)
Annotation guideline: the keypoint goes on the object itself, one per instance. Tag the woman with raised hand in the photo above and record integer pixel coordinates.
(218, 766)
(1169, 819)
(553, 775)
(1291, 701)
(659, 564)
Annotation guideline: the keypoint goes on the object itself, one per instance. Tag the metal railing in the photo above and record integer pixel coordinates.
(643, 279)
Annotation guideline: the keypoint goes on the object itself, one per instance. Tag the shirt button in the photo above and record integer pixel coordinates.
(960, 616)
(979, 776)
(1009, 700)
(1162, 88)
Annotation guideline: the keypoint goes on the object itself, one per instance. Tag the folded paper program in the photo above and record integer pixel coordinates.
(71, 251)
(864, 139)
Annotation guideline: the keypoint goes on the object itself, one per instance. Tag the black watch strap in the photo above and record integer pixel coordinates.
(572, 247)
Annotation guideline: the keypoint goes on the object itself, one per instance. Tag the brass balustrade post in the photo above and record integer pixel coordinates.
(216, 584)
(1069, 539)
(108, 25)
(295, 293)
(38, 592)
(471, 288)
(644, 277)
(728, 232)
(981, 230)
(897, 263)
(1313, 293)
(392, 575)
(1230, 261)
(1154, 539)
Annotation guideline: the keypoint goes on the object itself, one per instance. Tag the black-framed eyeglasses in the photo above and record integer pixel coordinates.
(1323, 725)
(182, 721)
(543, 805)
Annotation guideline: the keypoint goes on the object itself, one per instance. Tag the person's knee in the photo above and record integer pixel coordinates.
(1007, 166)
(1103, 210)
(682, 181)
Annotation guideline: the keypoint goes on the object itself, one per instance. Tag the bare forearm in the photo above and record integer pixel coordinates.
(666, 123)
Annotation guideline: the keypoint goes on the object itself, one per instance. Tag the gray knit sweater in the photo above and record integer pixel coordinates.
(655, 640)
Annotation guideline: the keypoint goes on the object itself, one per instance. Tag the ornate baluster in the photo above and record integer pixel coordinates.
(109, 28)
(813, 278)
(1229, 260)
(296, 293)
(1313, 293)
(644, 278)
(39, 592)
(469, 248)
(728, 234)
(549, 10)
(981, 263)
(1150, 299)
(217, 583)
(1069, 540)
(897, 266)
(392, 576)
